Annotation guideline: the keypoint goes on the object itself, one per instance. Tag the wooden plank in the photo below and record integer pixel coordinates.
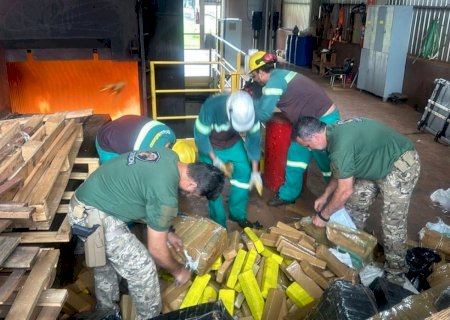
(63, 234)
(49, 313)
(48, 298)
(73, 114)
(10, 284)
(5, 137)
(50, 302)
(4, 224)
(7, 246)
(11, 184)
(50, 132)
(11, 164)
(39, 169)
(22, 257)
(53, 200)
(38, 279)
(14, 212)
(51, 173)
(33, 124)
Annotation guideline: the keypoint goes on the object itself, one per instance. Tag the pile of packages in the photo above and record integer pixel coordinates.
(290, 271)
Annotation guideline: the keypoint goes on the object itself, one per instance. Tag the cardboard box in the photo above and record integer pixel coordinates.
(203, 242)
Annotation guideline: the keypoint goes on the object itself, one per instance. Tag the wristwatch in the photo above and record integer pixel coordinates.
(319, 214)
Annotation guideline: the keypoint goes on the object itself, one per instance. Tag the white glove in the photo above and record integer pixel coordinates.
(256, 181)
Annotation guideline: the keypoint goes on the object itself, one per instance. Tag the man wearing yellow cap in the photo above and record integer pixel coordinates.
(296, 96)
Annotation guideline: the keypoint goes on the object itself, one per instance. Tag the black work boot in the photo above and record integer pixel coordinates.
(277, 201)
(244, 223)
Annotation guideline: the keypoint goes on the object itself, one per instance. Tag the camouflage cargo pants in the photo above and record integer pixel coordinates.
(126, 257)
(396, 189)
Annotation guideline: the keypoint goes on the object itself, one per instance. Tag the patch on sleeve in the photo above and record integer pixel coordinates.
(147, 156)
(350, 120)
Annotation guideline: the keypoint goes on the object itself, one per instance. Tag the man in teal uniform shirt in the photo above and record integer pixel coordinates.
(367, 158)
(295, 96)
(222, 117)
(139, 185)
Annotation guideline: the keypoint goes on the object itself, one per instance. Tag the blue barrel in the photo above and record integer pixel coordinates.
(304, 51)
(291, 41)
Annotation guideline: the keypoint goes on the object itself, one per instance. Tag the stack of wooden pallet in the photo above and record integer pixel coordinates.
(37, 155)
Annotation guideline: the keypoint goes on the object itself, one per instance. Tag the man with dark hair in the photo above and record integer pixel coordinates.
(295, 96)
(367, 158)
(139, 185)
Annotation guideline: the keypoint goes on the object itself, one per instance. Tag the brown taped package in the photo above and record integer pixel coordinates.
(356, 241)
(435, 240)
(440, 274)
(275, 307)
(203, 242)
(417, 306)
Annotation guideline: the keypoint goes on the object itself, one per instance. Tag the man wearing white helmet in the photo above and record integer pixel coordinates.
(295, 96)
(134, 133)
(217, 134)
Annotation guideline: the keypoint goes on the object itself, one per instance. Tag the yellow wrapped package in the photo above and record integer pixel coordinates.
(203, 242)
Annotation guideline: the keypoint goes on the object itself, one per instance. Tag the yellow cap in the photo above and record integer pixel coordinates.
(256, 61)
(185, 151)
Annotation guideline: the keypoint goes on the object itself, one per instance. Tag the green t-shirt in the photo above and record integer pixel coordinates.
(364, 148)
(136, 185)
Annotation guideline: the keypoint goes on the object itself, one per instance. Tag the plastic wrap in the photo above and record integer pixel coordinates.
(419, 261)
(387, 294)
(356, 241)
(443, 301)
(418, 306)
(344, 300)
(203, 242)
(205, 311)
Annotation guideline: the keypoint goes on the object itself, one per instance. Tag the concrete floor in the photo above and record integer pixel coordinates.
(435, 163)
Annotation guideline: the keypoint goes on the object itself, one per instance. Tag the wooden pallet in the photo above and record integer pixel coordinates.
(48, 231)
(25, 286)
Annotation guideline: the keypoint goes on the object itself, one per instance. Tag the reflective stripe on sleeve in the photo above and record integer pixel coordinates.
(297, 164)
(143, 133)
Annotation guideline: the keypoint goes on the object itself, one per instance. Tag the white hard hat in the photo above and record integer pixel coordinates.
(240, 111)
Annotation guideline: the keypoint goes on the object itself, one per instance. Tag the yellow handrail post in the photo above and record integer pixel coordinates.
(222, 77)
(153, 89)
(238, 62)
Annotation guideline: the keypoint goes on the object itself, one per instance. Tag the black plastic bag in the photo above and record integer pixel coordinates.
(387, 294)
(419, 261)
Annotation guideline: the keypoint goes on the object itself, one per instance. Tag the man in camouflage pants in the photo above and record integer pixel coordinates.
(139, 185)
(367, 158)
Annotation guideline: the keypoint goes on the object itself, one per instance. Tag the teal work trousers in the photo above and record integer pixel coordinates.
(298, 158)
(239, 191)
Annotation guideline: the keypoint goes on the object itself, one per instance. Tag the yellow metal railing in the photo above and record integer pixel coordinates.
(154, 91)
(224, 67)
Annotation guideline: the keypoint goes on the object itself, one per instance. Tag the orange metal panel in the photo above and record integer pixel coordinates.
(107, 87)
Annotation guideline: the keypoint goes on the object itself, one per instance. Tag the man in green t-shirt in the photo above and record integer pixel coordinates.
(139, 185)
(367, 158)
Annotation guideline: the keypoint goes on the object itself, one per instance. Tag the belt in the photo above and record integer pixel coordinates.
(96, 217)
